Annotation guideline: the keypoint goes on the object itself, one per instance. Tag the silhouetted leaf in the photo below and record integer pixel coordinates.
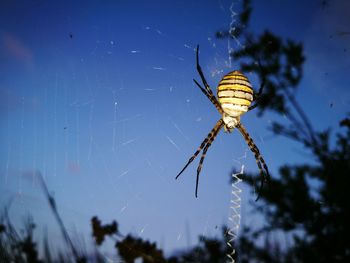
(100, 231)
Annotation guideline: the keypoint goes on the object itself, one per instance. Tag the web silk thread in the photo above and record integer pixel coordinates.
(235, 214)
(232, 33)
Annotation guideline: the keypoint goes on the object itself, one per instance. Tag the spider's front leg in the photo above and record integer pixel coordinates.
(256, 96)
(207, 90)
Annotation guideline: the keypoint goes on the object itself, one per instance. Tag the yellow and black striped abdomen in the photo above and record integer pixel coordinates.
(235, 93)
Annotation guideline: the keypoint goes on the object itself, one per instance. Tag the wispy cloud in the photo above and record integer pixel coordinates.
(16, 48)
(11, 100)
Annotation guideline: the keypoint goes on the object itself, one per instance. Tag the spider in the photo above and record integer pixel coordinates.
(234, 97)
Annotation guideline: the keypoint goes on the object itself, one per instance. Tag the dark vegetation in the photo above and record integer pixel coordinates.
(315, 216)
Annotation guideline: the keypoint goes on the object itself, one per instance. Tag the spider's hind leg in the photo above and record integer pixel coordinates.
(204, 145)
(263, 169)
(199, 168)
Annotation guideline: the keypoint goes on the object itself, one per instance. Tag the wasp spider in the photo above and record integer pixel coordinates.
(234, 97)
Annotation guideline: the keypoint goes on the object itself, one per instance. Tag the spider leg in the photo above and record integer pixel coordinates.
(208, 92)
(201, 74)
(203, 144)
(262, 85)
(258, 157)
(257, 96)
(211, 97)
(199, 168)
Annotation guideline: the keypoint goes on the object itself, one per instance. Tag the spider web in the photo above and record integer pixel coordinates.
(109, 121)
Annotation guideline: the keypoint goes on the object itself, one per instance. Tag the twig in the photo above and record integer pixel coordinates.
(53, 207)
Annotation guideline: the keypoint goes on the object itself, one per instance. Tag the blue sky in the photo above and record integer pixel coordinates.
(99, 98)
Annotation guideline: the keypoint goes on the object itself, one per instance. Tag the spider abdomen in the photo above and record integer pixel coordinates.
(235, 93)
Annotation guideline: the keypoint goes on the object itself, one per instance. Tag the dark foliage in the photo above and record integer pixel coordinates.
(99, 232)
(131, 248)
(15, 247)
(315, 214)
